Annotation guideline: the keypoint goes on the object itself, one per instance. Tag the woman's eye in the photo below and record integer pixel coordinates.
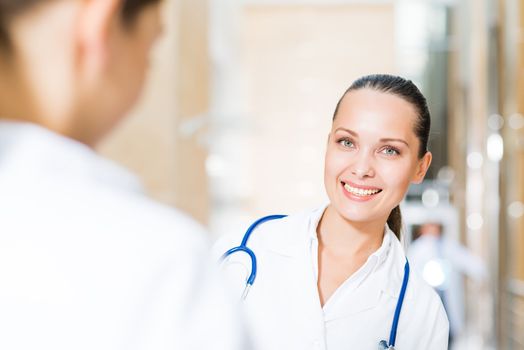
(346, 143)
(390, 151)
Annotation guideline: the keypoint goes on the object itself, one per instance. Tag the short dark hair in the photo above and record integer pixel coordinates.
(11, 8)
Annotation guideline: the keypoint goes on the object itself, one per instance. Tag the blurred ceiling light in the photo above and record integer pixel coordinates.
(433, 273)
(430, 198)
(495, 147)
(516, 209)
(495, 122)
(216, 166)
(474, 221)
(516, 121)
(475, 160)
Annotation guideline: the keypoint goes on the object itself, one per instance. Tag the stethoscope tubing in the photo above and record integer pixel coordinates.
(398, 308)
(252, 276)
(244, 248)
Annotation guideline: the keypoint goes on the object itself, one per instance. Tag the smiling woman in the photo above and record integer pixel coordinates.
(381, 124)
(336, 277)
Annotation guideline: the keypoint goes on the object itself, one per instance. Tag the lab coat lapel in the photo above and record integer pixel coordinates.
(294, 234)
(392, 271)
(361, 299)
(291, 255)
(384, 282)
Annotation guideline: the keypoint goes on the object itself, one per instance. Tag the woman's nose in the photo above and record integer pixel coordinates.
(363, 167)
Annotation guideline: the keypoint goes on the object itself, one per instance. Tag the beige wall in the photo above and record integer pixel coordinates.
(512, 173)
(298, 60)
(191, 186)
(519, 153)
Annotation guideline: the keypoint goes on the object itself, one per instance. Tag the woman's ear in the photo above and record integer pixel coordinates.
(422, 168)
(96, 19)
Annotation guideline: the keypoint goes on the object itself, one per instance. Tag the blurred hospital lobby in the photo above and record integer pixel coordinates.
(234, 119)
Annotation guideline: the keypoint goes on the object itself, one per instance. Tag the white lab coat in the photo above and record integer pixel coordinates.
(88, 262)
(283, 305)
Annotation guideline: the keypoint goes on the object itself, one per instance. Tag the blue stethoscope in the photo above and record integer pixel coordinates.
(252, 276)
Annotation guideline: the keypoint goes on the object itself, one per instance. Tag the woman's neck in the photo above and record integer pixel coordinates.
(347, 237)
(343, 248)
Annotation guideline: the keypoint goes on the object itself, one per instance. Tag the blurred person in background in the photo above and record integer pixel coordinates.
(87, 261)
(334, 277)
(443, 263)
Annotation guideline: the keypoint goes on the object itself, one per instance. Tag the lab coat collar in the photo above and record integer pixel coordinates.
(391, 272)
(384, 281)
(302, 228)
(31, 151)
(296, 232)
(293, 233)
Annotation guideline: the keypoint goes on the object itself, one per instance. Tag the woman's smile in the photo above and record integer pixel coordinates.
(359, 192)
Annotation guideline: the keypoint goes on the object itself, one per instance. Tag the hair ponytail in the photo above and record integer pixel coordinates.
(395, 221)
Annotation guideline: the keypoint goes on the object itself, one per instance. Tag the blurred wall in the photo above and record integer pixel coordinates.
(511, 90)
(297, 72)
(474, 154)
(279, 70)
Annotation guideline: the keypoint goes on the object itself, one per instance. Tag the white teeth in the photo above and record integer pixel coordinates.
(359, 191)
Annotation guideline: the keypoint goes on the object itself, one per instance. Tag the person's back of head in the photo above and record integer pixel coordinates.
(87, 260)
(75, 67)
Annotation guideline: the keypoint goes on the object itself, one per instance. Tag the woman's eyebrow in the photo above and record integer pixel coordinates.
(387, 139)
(394, 140)
(351, 132)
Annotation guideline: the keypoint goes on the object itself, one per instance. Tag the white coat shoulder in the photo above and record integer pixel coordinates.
(103, 266)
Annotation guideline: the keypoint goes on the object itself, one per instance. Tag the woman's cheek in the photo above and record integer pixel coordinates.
(395, 173)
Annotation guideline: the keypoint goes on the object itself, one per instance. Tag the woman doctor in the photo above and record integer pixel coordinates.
(336, 277)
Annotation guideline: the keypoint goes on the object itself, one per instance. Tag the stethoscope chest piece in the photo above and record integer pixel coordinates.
(383, 345)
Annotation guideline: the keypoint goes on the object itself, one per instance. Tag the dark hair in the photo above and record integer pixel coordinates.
(408, 91)
(11, 8)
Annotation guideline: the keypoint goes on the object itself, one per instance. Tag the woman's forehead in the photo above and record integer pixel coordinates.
(376, 111)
